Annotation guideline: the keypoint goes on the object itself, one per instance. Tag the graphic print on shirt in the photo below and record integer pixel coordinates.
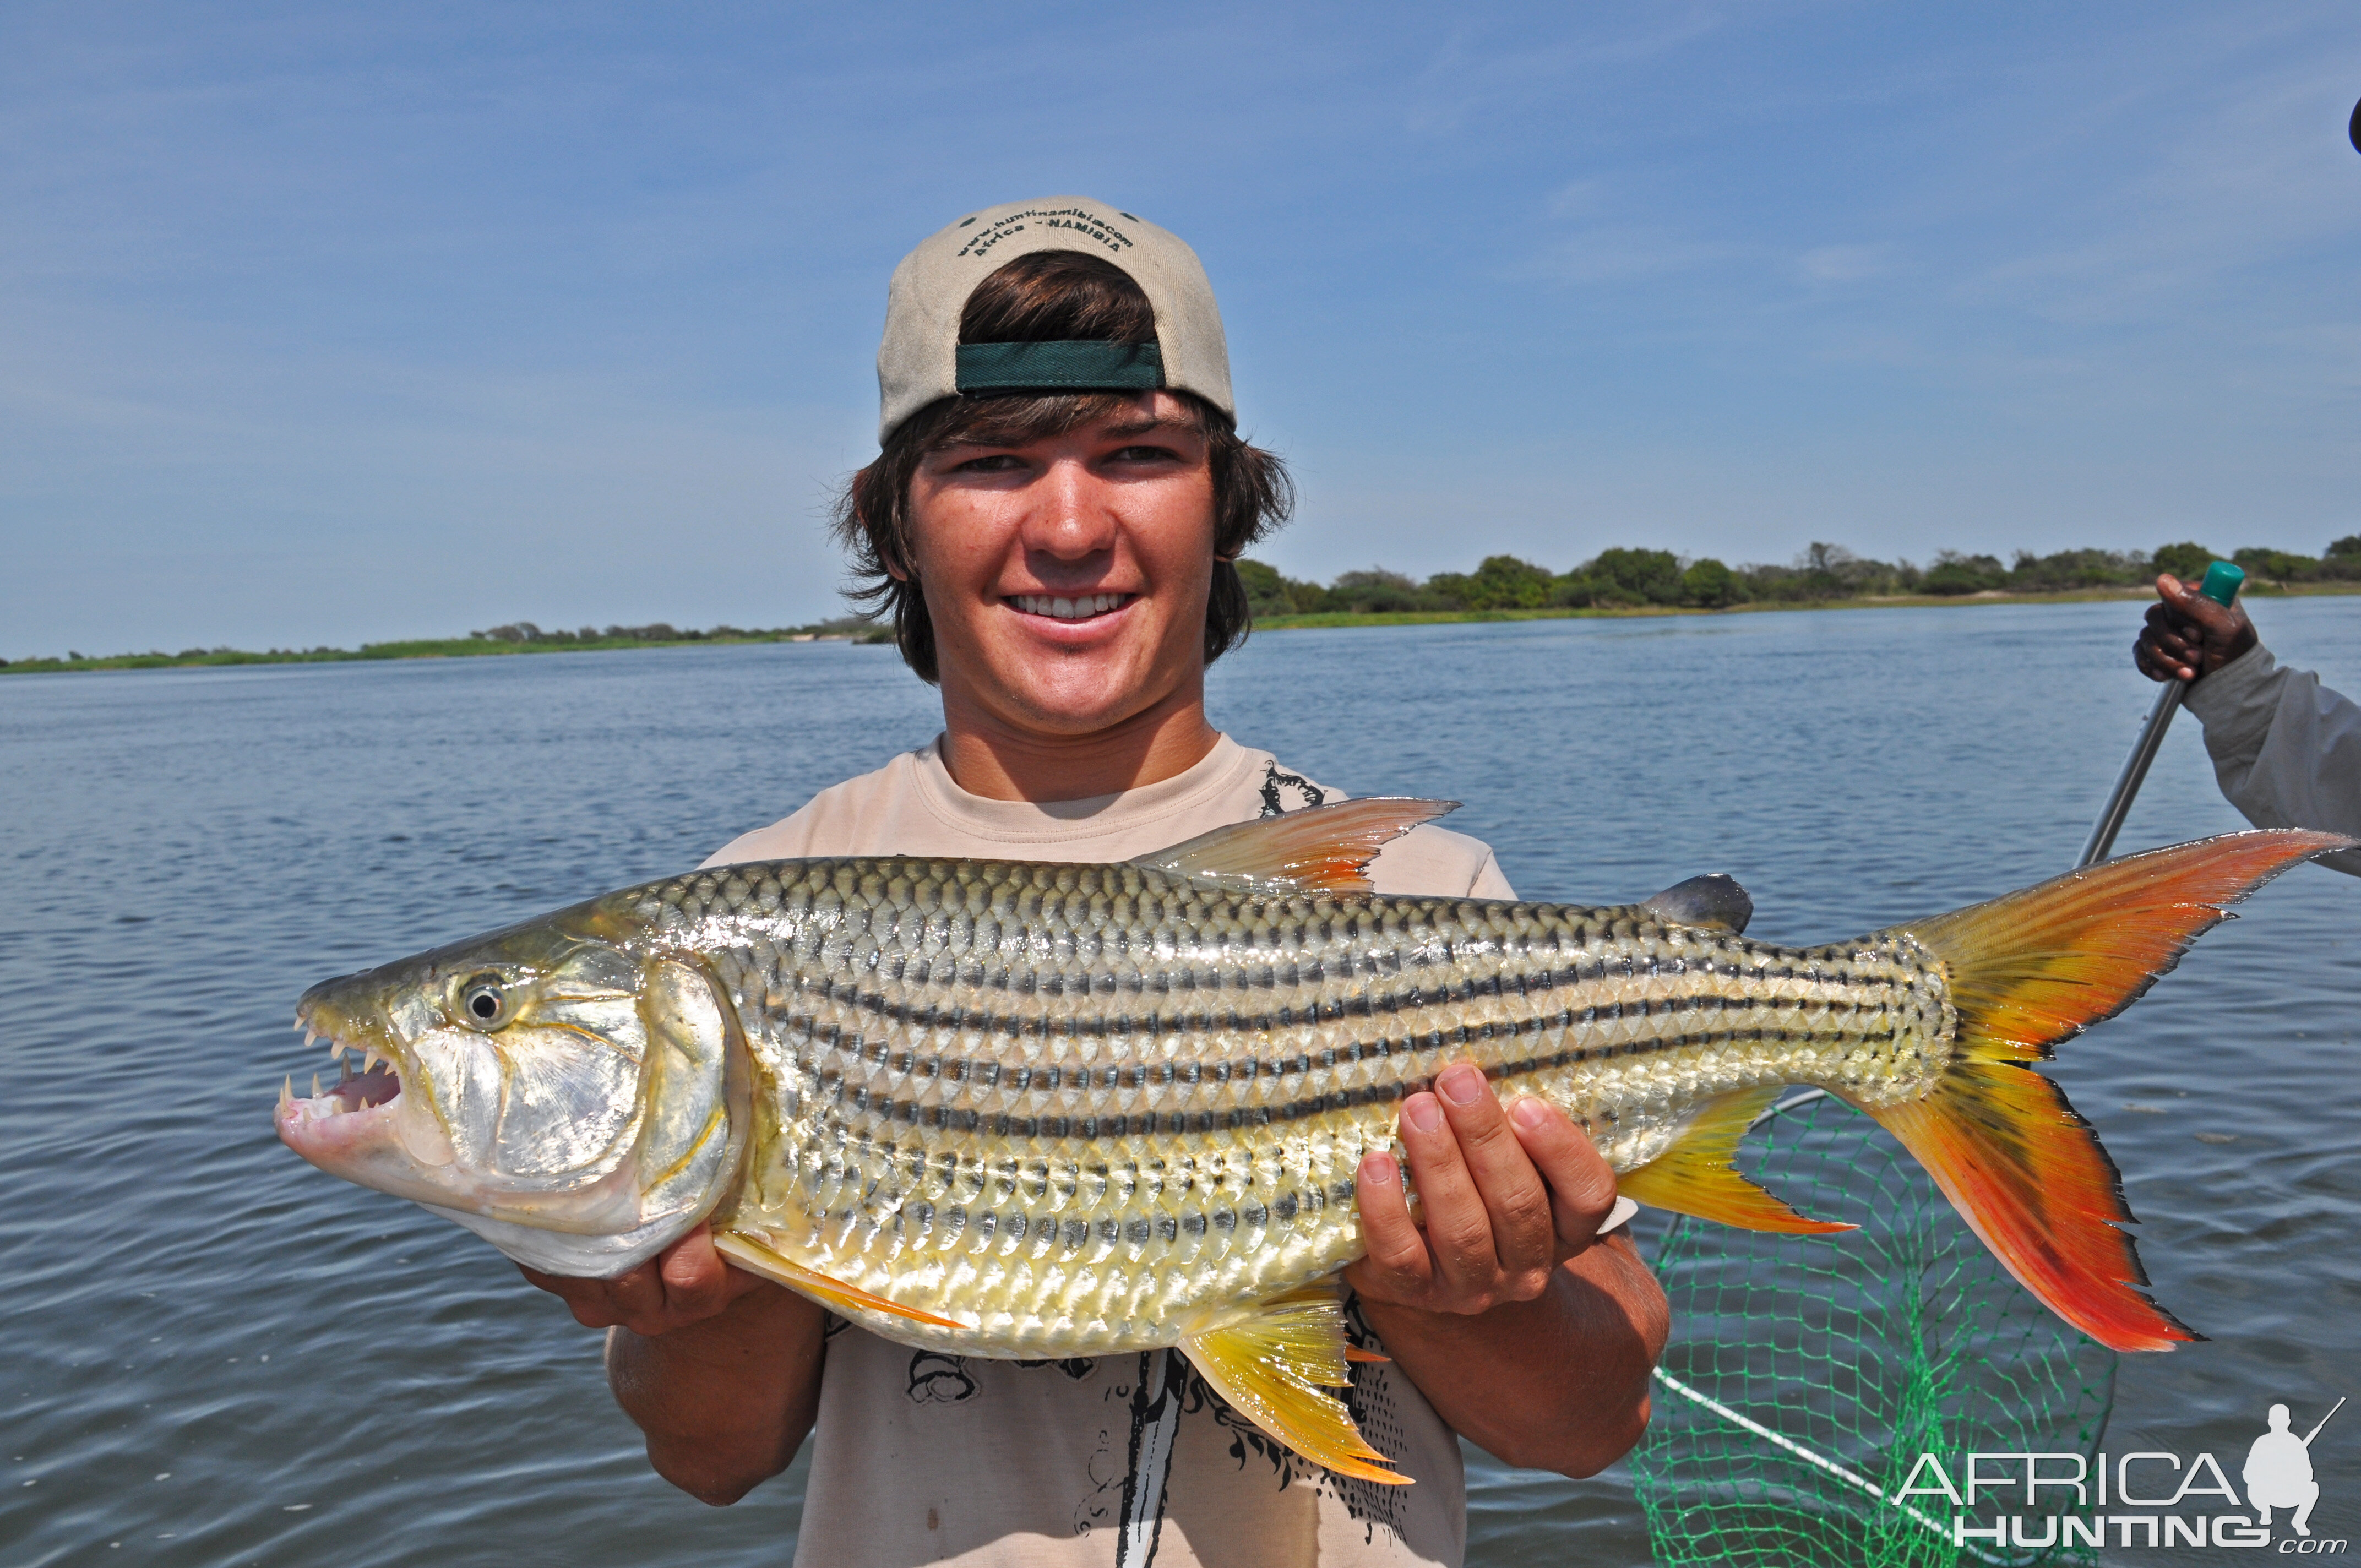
(937, 1379)
(1277, 786)
(1156, 1406)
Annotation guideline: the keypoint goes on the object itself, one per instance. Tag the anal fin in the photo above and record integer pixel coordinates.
(757, 1258)
(1273, 1367)
(1695, 1176)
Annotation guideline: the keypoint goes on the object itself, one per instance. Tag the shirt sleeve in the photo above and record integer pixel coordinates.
(2285, 750)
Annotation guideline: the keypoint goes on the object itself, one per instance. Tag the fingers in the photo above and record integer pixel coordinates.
(2172, 644)
(1399, 1268)
(1581, 1182)
(686, 1283)
(624, 1301)
(1488, 1231)
(1520, 1240)
(698, 1280)
(2189, 634)
(1457, 1230)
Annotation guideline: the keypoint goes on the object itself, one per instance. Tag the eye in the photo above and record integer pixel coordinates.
(484, 1002)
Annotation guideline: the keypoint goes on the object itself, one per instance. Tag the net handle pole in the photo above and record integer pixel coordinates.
(2323, 1421)
(2221, 586)
(1849, 1476)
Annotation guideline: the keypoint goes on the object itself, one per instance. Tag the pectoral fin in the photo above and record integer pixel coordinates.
(1320, 847)
(1271, 1368)
(1695, 1176)
(757, 1258)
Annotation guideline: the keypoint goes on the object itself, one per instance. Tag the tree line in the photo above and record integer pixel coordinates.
(1620, 578)
(526, 632)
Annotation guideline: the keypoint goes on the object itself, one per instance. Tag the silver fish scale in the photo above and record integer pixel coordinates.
(1082, 1107)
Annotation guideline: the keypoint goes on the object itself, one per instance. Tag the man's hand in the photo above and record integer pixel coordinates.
(718, 1367)
(686, 1283)
(1507, 1195)
(1527, 1330)
(2189, 635)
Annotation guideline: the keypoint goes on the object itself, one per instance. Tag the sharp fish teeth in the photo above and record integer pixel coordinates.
(368, 1062)
(287, 1090)
(315, 1086)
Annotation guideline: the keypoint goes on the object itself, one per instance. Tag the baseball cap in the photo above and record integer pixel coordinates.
(922, 359)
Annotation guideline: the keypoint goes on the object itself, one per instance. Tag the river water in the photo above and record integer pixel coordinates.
(214, 1354)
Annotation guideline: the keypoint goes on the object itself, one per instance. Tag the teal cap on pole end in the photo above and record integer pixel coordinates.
(2222, 581)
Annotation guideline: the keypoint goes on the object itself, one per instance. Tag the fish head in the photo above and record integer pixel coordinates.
(566, 1089)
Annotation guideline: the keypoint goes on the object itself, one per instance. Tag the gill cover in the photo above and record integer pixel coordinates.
(686, 1130)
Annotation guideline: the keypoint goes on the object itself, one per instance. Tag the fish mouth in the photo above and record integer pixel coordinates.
(357, 1116)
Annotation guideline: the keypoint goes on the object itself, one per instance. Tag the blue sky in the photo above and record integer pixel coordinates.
(321, 324)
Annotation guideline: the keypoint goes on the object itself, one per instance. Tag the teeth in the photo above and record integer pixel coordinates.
(315, 1086)
(287, 1090)
(1068, 608)
(336, 1050)
(347, 1075)
(369, 1061)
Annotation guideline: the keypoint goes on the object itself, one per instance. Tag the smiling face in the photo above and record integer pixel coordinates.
(1066, 576)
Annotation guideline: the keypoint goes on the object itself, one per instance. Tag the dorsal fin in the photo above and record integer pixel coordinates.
(1319, 848)
(1714, 903)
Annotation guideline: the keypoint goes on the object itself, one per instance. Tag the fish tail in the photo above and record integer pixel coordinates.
(2025, 972)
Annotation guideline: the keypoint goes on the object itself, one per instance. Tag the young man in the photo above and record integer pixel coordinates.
(1051, 522)
(2285, 750)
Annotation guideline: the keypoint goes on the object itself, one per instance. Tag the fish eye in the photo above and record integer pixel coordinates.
(484, 1002)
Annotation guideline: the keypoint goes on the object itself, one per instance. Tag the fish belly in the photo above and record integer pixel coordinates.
(1090, 1109)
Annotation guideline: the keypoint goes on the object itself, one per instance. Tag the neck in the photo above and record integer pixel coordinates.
(992, 757)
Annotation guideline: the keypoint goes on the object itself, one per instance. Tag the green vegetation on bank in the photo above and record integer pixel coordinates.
(1825, 574)
(519, 637)
(1502, 587)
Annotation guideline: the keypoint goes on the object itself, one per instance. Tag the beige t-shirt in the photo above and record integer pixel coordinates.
(923, 1457)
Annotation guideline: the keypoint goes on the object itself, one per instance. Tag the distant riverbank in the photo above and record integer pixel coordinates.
(1769, 607)
(472, 647)
(421, 648)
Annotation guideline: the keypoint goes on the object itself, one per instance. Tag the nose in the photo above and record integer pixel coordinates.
(1073, 517)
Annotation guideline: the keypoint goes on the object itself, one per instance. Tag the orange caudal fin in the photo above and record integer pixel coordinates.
(2025, 972)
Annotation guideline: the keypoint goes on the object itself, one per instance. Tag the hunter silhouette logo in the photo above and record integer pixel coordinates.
(2278, 1471)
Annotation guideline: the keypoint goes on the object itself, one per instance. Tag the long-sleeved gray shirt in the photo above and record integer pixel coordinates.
(2285, 750)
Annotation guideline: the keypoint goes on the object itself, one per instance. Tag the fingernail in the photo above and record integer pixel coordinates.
(1460, 1083)
(1423, 1114)
(1377, 1170)
(1530, 1115)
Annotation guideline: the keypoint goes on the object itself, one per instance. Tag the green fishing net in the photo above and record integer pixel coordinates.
(1807, 1374)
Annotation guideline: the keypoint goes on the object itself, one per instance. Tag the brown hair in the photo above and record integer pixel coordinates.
(1050, 296)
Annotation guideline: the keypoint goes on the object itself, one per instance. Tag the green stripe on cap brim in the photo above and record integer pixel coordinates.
(1059, 366)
